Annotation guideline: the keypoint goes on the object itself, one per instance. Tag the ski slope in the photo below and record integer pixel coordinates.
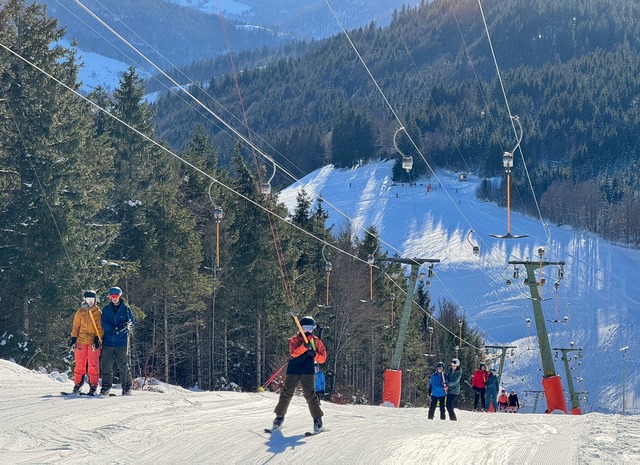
(179, 426)
(432, 219)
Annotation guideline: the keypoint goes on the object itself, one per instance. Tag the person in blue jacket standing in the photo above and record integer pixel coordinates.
(437, 391)
(117, 321)
(320, 382)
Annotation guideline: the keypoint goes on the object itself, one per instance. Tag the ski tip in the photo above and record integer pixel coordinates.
(311, 433)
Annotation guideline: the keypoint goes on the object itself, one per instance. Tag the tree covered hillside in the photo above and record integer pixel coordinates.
(569, 69)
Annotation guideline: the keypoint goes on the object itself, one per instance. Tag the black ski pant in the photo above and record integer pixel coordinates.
(308, 389)
(478, 395)
(452, 400)
(432, 408)
(117, 355)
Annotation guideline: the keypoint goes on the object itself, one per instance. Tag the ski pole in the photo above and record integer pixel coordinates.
(304, 336)
(95, 327)
(274, 376)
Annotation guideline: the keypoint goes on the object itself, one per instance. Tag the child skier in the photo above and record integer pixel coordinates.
(503, 401)
(300, 370)
(514, 403)
(437, 391)
(86, 339)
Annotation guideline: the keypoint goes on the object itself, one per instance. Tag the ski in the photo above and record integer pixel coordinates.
(65, 393)
(311, 433)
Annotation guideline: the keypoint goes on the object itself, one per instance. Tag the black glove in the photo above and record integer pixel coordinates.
(96, 343)
(311, 353)
(72, 342)
(307, 345)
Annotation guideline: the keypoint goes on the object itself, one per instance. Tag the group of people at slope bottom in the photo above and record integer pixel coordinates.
(486, 382)
(100, 340)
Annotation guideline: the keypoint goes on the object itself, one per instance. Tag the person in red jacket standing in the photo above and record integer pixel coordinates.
(479, 385)
(301, 370)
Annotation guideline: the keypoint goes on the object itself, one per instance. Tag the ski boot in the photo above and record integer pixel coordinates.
(104, 391)
(277, 423)
(126, 391)
(92, 389)
(317, 425)
(76, 388)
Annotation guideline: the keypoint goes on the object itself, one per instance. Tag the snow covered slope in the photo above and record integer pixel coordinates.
(598, 295)
(179, 426)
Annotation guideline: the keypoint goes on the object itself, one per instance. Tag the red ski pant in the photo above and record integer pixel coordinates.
(86, 356)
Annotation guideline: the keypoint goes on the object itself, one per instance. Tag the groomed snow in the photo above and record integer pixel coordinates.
(184, 427)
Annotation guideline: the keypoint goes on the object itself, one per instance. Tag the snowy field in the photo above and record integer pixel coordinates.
(182, 427)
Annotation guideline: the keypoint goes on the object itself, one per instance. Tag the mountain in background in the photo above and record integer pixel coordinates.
(311, 19)
(177, 33)
(440, 218)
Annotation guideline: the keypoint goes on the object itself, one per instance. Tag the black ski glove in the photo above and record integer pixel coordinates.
(311, 353)
(96, 343)
(72, 342)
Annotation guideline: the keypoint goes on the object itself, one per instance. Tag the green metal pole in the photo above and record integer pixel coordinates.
(575, 399)
(404, 323)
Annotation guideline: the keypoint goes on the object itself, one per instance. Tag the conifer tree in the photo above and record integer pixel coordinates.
(51, 243)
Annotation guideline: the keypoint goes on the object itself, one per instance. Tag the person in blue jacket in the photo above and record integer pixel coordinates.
(320, 383)
(117, 322)
(492, 390)
(437, 391)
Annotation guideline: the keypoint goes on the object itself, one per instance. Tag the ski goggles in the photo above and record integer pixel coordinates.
(308, 328)
(114, 296)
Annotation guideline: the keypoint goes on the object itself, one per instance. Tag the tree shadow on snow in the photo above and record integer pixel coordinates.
(278, 443)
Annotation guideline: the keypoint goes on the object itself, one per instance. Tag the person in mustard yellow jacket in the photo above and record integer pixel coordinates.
(300, 370)
(86, 340)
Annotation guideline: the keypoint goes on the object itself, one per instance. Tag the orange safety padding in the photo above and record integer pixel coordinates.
(392, 387)
(553, 392)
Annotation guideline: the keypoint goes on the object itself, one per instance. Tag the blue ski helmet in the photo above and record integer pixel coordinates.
(115, 291)
(440, 365)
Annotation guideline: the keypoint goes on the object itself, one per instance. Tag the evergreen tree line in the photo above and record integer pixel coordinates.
(88, 203)
(569, 69)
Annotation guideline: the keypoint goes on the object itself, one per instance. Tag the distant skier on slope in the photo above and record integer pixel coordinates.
(492, 390)
(479, 384)
(453, 376)
(514, 403)
(86, 336)
(437, 392)
(300, 370)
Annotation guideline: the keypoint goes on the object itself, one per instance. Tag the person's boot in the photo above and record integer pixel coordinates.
(317, 425)
(76, 389)
(277, 423)
(92, 389)
(104, 391)
(126, 391)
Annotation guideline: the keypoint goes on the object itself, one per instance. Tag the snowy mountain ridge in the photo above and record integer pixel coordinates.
(598, 294)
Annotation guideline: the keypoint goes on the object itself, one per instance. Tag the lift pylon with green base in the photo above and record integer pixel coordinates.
(551, 381)
(574, 396)
(393, 378)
